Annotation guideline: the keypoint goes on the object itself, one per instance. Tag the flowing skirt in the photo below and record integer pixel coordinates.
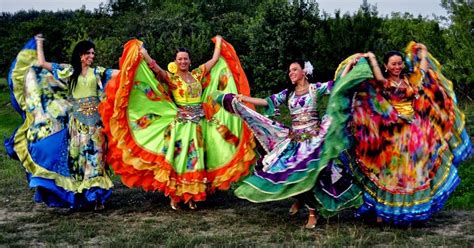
(292, 165)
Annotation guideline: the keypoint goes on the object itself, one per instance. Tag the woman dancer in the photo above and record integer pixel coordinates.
(167, 134)
(60, 142)
(409, 137)
(291, 166)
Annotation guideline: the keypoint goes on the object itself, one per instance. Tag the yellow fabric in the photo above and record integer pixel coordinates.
(24, 60)
(404, 108)
(86, 85)
(185, 93)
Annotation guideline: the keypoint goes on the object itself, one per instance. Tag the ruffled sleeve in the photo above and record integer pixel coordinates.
(104, 74)
(274, 101)
(324, 88)
(61, 71)
(200, 72)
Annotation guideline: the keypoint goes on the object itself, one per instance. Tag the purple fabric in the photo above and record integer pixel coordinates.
(227, 102)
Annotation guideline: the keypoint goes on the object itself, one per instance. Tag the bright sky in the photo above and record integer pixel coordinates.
(385, 7)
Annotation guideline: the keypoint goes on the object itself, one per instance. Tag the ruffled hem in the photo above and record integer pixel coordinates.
(257, 189)
(411, 208)
(67, 183)
(51, 194)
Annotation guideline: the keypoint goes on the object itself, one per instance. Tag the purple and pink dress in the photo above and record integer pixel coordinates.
(291, 165)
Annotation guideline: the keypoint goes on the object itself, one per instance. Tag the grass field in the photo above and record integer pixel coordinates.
(135, 218)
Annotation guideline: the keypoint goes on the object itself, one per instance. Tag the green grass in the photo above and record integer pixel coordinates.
(135, 218)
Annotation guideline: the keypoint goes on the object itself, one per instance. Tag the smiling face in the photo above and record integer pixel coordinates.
(183, 61)
(88, 57)
(394, 65)
(296, 73)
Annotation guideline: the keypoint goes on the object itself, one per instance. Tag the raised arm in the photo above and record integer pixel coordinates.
(252, 100)
(40, 53)
(160, 73)
(350, 65)
(375, 66)
(423, 54)
(217, 51)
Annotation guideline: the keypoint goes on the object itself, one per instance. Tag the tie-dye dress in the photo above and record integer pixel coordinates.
(408, 140)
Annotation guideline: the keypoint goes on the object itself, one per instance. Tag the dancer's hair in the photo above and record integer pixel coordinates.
(80, 49)
(182, 49)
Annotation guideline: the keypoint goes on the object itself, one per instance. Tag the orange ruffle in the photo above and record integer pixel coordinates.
(230, 56)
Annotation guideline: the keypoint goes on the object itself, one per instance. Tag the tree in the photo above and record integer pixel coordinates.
(459, 37)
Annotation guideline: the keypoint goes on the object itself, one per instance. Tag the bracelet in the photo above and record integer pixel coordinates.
(152, 64)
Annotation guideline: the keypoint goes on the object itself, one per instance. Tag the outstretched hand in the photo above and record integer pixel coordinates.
(421, 47)
(369, 55)
(39, 37)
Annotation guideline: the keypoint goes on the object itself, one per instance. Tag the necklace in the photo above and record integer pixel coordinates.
(397, 84)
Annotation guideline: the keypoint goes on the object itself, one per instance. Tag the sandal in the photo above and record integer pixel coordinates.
(192, 205)
(295, 207)
(174, 205)
(311, 226)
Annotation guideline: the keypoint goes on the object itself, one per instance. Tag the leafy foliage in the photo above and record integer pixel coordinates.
(266, 34)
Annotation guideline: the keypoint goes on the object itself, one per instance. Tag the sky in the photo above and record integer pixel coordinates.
(385, 7)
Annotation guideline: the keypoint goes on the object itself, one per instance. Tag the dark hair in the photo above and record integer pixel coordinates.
(182, 49)
(390, 54)
(80, 49)
(291, 88)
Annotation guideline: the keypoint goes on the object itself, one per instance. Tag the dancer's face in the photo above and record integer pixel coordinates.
(296, 73)
(395, 65)
(183, 61)
(88, 57)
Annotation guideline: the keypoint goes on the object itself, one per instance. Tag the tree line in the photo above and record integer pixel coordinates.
(266, 34)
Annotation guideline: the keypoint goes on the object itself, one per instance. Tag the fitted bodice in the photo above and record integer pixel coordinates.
(401, 97)
(187, 93)
(86, 85)
(303, 108)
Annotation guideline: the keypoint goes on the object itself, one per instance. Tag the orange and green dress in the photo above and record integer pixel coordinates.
(172, 137)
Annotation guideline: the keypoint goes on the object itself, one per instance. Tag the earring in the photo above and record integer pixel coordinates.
(385, 69)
